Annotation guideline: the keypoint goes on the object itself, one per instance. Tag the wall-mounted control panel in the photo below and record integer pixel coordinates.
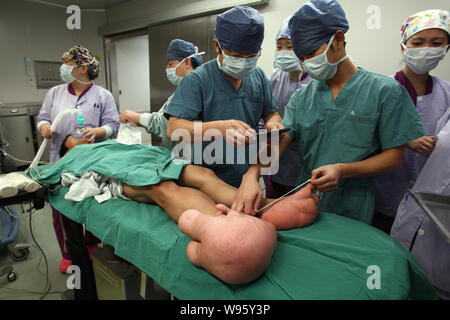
(47, 74)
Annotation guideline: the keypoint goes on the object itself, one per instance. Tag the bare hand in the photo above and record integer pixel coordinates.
(89, 134)
(424, 145)
(46, 131)
(130, 116)
(329, 178)
(249, 196)
(274, 125)
(237, 132)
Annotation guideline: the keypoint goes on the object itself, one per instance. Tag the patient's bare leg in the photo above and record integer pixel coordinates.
(205, 180)
(172, 198)
(296, 211)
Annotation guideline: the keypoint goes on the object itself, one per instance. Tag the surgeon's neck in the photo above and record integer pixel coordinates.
(295, 76)
(236, 83)
(346, 70)
(418, 81)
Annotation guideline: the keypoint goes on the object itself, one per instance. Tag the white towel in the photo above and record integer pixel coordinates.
(92, 184)
(21, 181)
(7, 189)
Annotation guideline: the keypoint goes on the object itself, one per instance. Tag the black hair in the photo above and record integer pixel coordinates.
(194, 64)
(63, 150)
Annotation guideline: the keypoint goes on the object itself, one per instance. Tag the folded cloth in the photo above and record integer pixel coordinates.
(7, 189)
(20, 181)
(91, 184)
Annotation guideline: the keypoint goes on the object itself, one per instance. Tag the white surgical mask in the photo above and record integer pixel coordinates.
(172, 75)
(237, 68)
(287, 61)
(320, 68)
(65, 71)
(423, 60)
(172, 72)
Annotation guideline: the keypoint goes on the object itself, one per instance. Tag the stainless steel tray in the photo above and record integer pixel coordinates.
(437, 207)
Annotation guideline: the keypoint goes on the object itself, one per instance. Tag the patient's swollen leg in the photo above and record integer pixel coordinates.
(206, 181)
(172, 198)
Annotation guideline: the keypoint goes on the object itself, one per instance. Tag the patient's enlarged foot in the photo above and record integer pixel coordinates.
(234, 247)
(296, 211)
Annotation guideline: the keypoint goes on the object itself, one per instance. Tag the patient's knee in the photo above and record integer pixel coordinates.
(166, 192)
(197, 177)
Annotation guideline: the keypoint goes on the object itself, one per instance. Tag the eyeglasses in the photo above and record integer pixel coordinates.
(227, 52)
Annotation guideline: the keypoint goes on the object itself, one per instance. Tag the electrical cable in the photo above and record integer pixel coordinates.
(20, 160)
(47, 281)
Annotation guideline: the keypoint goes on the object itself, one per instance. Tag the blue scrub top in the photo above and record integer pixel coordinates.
(207, 95)
(371, 114)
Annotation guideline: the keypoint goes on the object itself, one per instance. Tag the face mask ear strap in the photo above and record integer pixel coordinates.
(330, 43)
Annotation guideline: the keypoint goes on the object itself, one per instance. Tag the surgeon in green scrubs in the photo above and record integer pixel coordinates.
(349, 125)
(226, 94)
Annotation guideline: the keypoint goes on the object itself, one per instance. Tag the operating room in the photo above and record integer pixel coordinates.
(224, 150)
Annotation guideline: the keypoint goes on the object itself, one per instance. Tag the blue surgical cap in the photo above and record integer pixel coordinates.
(180, 49)
(240, 29)
(314, 24)
(285, 32)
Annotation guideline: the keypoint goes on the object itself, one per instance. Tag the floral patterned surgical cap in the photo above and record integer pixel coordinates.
(428, 19)
(81, 56)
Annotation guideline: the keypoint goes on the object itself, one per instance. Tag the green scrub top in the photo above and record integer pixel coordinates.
(371, 114)
(206, 95)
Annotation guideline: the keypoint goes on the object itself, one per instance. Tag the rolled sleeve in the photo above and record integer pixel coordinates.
(40, 123)
(155, 122)
(109, 131)
(400, 122)
(110, 115)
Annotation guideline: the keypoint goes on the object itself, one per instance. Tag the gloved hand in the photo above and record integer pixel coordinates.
(234, 247)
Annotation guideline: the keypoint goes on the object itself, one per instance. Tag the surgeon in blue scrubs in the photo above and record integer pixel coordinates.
(228, 93)
(349, 125)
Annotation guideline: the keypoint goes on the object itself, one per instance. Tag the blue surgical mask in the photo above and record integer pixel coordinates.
(319, 68)
(423, 60)
(65, 71)
(287, 61)
(238, 68)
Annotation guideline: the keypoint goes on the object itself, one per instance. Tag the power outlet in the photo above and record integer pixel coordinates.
(31, 82)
